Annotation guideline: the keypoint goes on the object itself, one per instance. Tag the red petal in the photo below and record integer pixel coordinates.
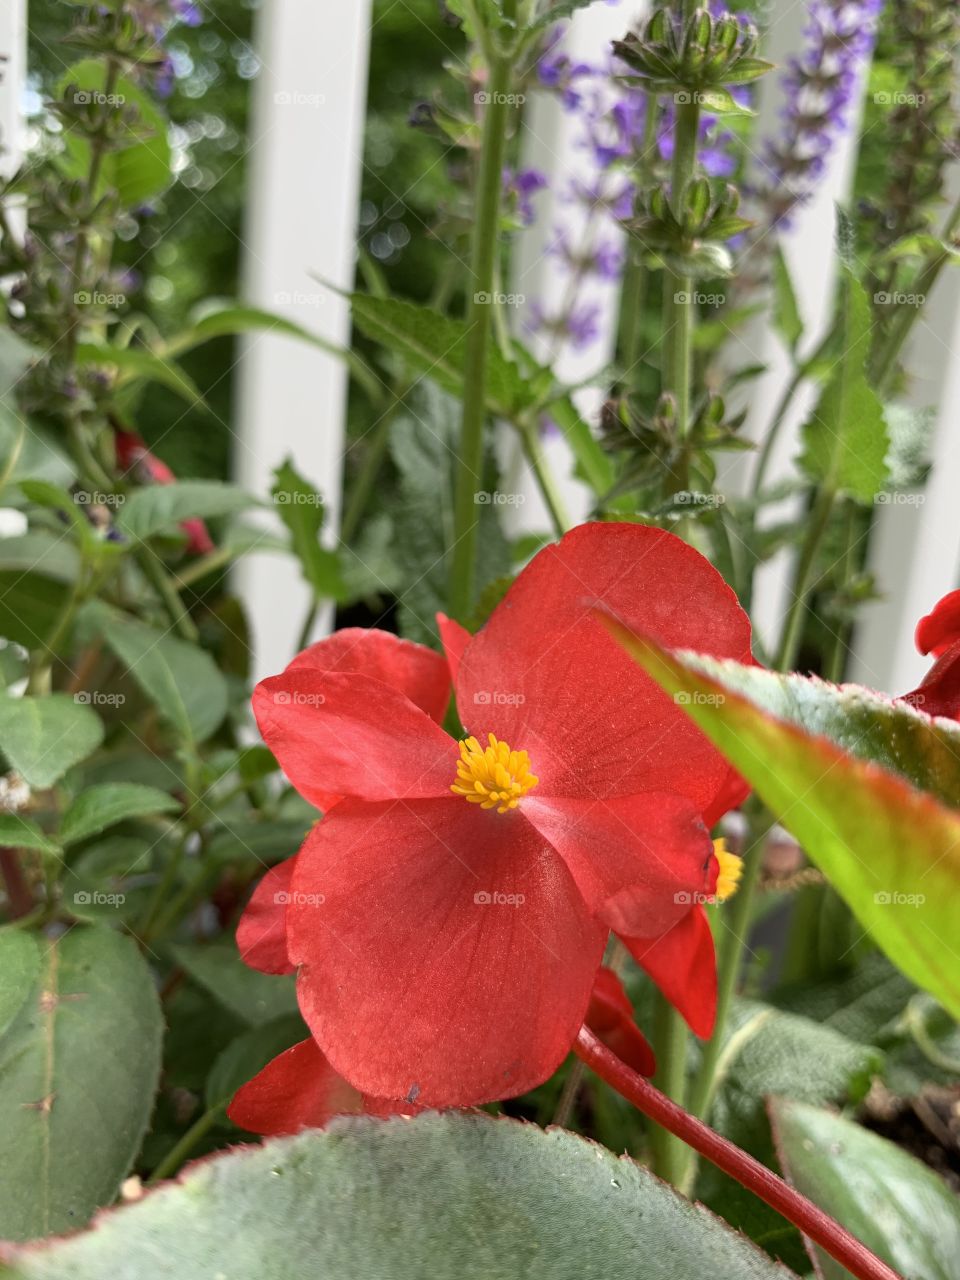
(454, 639)
(939, 694)
(412, 669)
(941, 628)
(610, 1016)
(733, 791)
(638, 861)
(452, 958)
(297, 1090)
(545, 676)
(262, 931)
(336, 734)
(199, 542)
(683, 965)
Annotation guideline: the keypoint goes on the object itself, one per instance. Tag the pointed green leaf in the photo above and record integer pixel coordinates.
(890, 849)
(845, 440)
(100, 807)
(79, 1065)
(160, 507)
(43, 737)
(21, 833)
(181, 679)
(300, 507)
(449, 1197)
(19, 966)
(435, 346)
(786, 309)
(896, 1205)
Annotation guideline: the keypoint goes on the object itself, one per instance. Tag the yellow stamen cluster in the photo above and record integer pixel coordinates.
(493, 777)
(731, 869)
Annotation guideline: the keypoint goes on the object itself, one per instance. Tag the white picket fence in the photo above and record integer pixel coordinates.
(305, 162)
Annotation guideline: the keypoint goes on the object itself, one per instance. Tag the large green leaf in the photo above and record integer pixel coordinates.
(435, 346)
(79, 1065)
(890, 849)
(218, 319)
(897, 1206)
(43, 737)
(100, 807)
(30, 606)
(845, 440)
(21, 833)
(252, 996)
(162, 506)
(180, 678)
(136, 364)
(19, 966)
(449, 1197)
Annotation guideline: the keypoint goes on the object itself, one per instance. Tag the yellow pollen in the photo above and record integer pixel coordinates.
(493, 777)
(731, 869)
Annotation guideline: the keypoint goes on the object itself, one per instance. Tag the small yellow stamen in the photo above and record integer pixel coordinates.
(493, 777)
(731, 869)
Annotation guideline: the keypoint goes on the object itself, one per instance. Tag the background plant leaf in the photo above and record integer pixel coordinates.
(452, 1197)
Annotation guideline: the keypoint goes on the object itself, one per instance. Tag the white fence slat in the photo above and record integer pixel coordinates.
(305, 163)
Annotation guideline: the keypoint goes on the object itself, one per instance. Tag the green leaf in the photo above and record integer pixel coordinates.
(21, 833)
(890, 850)
(301, 509)
(136, 364)
(787, 319)
(181, 679)
(43, 737)
(19, 966)
(895, 1204)
(79, 1066)
(248, 1054)
(101, 807)
(30, 606)
(41, 552)
(160, 507)
(435, 346)
(452, 1197)
(219, 319)
(592, 464)
(138, 170)
(768, 1051)
(845, 440)
(253, 997)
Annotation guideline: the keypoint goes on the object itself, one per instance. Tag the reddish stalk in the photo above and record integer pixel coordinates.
(19, 898)
(750, 1173)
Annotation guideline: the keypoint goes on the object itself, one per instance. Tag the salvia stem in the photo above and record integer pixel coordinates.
(485, 242)
(750, 1173)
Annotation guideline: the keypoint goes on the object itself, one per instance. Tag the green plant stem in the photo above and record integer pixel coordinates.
(733, 940)
(678, 307)
(546, 481)
(485, 242)
(160, 580)
(793, 626)
(633, 293)
(773, 431)
(175, 1157)
(670, 1043)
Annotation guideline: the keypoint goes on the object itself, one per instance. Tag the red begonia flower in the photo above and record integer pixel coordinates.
(133, 455)
(448, 917)
(939, 634)
(300, 1090)
(610, 1017)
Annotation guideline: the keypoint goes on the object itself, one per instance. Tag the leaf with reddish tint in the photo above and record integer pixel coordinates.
(862, 782)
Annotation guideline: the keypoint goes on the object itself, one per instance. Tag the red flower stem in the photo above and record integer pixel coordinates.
(750, 1173)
